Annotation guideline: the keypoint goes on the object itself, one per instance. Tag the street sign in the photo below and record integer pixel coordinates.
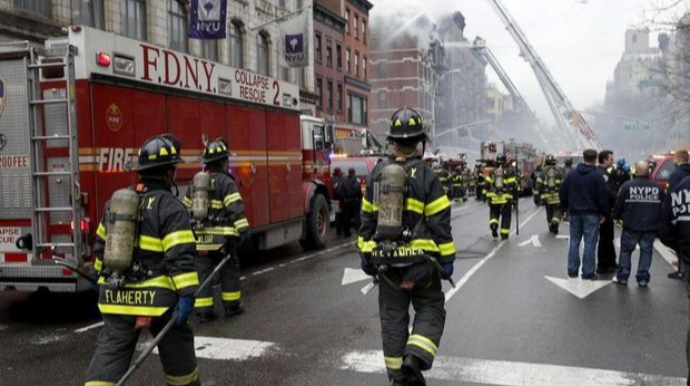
(636, 127)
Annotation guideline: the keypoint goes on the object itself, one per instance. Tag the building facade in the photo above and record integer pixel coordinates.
(252, 40)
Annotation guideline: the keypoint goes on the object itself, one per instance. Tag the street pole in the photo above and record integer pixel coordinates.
(433, 104)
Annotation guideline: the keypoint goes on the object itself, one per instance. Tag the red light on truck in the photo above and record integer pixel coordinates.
(103, 59)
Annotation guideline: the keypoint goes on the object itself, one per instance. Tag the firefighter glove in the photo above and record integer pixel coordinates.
(184, 308)
(367, 267)
(447, 272)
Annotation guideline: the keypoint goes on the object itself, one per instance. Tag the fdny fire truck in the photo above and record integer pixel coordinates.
(73, 114)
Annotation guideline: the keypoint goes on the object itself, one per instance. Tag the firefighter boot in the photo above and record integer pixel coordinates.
(206, 316)
(494, 231)
(233, 309)
(412, 371)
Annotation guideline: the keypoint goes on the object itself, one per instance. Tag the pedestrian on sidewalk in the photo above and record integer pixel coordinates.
(682, 171)
(606, 252)
(585, 196)
(638, 206)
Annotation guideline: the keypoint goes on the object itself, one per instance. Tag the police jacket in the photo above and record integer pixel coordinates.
(678, 175)
(426, 214)
(548, 184)
(349, 189)
(501, 186)
(639, 205)
(611, 182)
(164, 246)
(584, 192)
(226, 218)
(675, 220)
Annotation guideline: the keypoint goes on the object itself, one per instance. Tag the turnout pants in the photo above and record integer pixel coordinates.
(430, 317)
(553, 215)
(229, 280)
(459, 192)
(118, 341)
(606, 252)
(504, 212)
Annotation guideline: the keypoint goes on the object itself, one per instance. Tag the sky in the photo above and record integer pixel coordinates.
(581, 41)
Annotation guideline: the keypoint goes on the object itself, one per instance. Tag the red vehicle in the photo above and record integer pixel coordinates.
(521, 154)
(76, 113)
(665, 166)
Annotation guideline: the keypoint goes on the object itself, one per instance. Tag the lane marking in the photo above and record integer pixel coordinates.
(228, 349)
(579, 287)
(473, 270)
(534, 240)
(269, 269)
(90, 327)
(353, 276)
(505, 373)
(563, 237)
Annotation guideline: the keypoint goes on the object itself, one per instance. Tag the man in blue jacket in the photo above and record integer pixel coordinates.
(682, 171)
(639, 208)
(585, 196)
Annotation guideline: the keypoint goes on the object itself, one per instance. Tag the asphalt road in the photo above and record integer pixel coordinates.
(514, 319)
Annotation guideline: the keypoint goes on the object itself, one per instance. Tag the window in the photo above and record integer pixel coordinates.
(319, 93)
(88, 12)
(339, 56)
(317, 47)
(281, 3)
(209, 49)
(339, 96)
(300, 4)
(357, 111)
(347, 61)
(364, 66)
(329, 53)
(41, 8)
(284, 73)
(347, 21)
(356, 27)
(356, 64)
(236, 45)
(383, 69)
(382, 99)
(329, 94)
(300, 78)
(262, 54)
(364, 31)
(177, 26)
(133, 19)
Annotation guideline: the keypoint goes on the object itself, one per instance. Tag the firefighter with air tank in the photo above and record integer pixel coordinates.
(145, 259)
(405, 241)
(460, 182)
(548, 186)
(501, 188)
(445, 177)
(220, 226)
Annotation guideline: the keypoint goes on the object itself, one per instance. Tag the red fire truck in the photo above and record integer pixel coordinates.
(73, 115)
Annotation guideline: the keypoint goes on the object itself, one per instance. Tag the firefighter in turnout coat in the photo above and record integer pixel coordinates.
(501, 188)
(445, 177)
(548, 187)
(158, 277)
(408, 244)
(219, 232)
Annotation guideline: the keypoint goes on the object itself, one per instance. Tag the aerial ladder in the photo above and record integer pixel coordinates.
(568, 119)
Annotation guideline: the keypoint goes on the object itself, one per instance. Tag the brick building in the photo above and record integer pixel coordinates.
(165, 23)
(329, 29)
(357, 62)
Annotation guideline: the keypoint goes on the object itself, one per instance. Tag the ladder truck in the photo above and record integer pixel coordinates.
(567, 117)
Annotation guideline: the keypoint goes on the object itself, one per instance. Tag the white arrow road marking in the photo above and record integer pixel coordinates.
(563, 237)
(353, 276)
(504, 373)
(579, 287)
(228, 349)
(534, 241)
(668, 254)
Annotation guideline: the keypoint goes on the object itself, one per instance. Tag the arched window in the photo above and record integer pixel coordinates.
(262, 54)
(236, 45)
(177, 26)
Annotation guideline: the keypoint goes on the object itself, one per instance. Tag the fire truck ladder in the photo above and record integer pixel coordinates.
(53, 129)
(568, 119)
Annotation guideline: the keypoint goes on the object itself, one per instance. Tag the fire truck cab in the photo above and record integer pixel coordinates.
(73, 114)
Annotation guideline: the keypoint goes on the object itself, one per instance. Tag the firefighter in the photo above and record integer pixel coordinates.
(501, 189)
(349, 191)
(480, 179)
(445, 177)
(338, 203)
(410, 253)
(460, 183)
(142, 288)
(220, 229)
(567, 166)
(533, 177)
(548, 188)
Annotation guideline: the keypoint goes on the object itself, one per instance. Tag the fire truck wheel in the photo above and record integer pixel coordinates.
(317, 224)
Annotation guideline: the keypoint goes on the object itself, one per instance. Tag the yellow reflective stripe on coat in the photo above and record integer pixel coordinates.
(424, 343)
(413, 205)
(187, 202)
(152, 244)
(182, 380)
(208, 247)
(98, 265)
(365, 246)
(185, 280)
(99, 383)
(176, 238)
(157, 282)
(425, 244)
(437, 206)
(218, 231)
(203, 302)
(368, 207)
(131, 310)
(393, 363)
(101, 231)
(447, 249)
(230, 198)
(242, 223)
(510, 180)
(216, 204)
(231, 296)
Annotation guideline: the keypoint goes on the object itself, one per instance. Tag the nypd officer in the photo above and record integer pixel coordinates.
(222, 230)
(161, 276)
(405, 239)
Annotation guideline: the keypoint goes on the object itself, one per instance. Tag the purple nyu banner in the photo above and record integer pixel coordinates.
(207, 20)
